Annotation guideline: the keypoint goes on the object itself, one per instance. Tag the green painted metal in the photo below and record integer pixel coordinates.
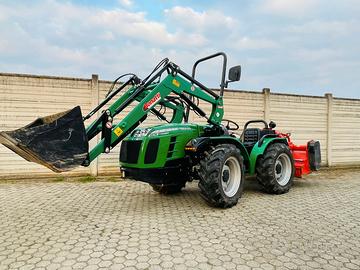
(183, 132)
(237, 143)
(158, 93)
(155, 93)
(184, 86)
(115, 105)
(259, 150)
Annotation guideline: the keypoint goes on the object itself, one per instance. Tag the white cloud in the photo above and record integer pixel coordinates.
(62, 38)
(318, 55)
(67, 39)
(248, 43)
(288, 7)
(107, 35)
(57, 20)
(201, 21)
(132, 25)
(332, 28)
(135, 25)
(126, 3)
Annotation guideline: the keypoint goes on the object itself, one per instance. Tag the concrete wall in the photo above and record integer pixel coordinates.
(333, 121)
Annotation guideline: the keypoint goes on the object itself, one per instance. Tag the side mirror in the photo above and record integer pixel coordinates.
(272, 124)
(234, 74)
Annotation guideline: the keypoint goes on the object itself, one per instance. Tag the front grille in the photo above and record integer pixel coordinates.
(171, 147)
(129, 152)
(151, 151)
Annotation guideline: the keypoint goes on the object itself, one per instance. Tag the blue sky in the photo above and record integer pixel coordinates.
(296, 46)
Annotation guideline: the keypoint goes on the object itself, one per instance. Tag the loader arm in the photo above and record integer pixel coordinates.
(61, 141)
(147, 96)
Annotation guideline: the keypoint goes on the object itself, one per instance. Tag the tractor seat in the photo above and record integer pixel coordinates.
(253, 135)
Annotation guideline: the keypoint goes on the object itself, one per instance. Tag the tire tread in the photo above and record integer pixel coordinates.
(265, 169)
(209, 174)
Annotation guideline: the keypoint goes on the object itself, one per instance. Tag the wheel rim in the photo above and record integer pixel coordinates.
(231, 176)
(283, 169)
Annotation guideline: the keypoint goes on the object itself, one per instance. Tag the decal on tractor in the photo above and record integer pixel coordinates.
(118, 131)
(152, 102)
(176, 83)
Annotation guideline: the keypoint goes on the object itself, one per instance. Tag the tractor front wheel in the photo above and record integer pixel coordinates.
(275, 169)
(222, 176)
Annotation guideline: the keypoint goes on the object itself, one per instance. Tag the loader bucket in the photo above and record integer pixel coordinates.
(57, 141)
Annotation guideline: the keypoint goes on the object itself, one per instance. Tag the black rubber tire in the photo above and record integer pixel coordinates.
(168, 189)
(210, 174)
(265, 169)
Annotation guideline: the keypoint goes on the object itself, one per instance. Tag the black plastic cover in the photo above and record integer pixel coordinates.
(57, 141)
(174, 172)
(152, 151)
(129, 151)
(314, 155)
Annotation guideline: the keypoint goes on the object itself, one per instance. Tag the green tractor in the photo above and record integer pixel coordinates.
(169, 155)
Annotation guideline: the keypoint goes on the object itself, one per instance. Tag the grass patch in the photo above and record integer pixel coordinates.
(113, 179)
(87, 179)
(59, 179)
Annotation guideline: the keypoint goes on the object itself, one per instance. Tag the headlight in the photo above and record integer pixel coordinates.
(141, 132)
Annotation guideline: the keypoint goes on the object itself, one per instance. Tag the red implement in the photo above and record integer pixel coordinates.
(307, 158)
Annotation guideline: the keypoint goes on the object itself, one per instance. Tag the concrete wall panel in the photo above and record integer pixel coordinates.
(332, 121)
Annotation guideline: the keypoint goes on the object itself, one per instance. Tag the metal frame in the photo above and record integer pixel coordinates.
(223, 75)
(144, 92)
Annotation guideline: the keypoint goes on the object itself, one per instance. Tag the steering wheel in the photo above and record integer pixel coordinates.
(228, 126)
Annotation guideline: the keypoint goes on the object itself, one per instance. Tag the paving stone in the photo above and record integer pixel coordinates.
(125, 225)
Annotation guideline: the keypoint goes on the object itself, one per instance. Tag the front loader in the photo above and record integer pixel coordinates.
(169, 155)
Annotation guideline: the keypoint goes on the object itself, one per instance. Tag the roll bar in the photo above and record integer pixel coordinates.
(223, 84)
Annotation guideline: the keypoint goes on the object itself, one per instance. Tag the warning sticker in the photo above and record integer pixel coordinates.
(118, 131)
(176, 83)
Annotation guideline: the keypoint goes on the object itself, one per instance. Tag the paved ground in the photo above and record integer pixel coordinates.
(125, 225)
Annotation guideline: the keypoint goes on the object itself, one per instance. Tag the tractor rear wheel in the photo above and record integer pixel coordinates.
(221, 176)
(168, 189)
(275, 169)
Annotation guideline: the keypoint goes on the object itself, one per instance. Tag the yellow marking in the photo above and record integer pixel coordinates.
(118, 131)
(190, 148)
(176, 83)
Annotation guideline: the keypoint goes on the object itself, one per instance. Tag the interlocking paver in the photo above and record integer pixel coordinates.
(125, 225)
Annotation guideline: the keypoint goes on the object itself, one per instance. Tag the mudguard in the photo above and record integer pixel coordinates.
(259, 148)
(201, 143)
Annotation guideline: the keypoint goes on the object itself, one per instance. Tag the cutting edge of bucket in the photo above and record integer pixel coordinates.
(25, 153)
